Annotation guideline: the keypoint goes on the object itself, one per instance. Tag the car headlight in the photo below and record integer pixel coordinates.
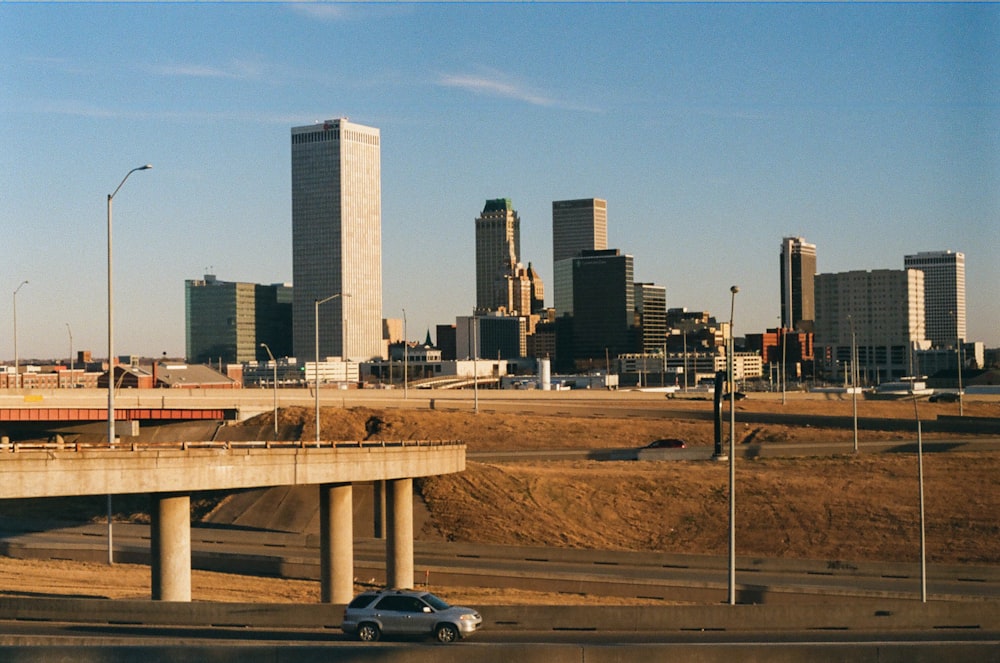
(471, 617)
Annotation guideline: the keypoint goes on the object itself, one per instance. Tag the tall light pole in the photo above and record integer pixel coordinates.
(17, 372)
(854, 379)
(72, 375)
(475, 363)
(920, 484)
(274, 381)
(684, 332)
(732, 449)
(316, 303)
(406, 352)
(961, 412)
(111, 339)
(784, 370)
(111, 350)
(958, 350)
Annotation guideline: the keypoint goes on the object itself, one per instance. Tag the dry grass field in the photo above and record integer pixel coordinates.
(842, 507)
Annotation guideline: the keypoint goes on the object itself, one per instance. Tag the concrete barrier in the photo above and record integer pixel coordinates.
(831, 652)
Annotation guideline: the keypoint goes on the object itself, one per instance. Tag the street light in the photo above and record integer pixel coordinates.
(854, 379)
(958, 350)
(685, 336)
(920, 484)
(732, 449)
(111, 349)
(961, 412)
(71, 367)
(784, 370)
(111, 330)
(275, 383)
(405, 356)
(17, 373)
(316, 303)
(475, 363)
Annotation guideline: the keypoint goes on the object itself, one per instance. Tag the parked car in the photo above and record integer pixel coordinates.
(944, 397)
(668, 443)
(407, 612)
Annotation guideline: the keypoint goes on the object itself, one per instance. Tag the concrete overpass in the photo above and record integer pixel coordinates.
(170, 475)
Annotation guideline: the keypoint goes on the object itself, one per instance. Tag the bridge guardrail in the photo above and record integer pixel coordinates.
(16, 447)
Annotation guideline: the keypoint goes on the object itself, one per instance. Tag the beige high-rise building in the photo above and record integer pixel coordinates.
(881, 311)
(577, 226)
(337, 240)
(498, 249)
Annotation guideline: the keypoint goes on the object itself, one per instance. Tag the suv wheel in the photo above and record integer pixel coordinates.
(446, 633)
(368, 632)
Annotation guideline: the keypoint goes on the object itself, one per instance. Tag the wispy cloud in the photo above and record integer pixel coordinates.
(73, 108)
(64, 65)
(495, 84)
(234, 70)
(329, 11)
(325, 11)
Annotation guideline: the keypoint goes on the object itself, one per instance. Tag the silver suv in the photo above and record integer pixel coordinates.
(407, 612)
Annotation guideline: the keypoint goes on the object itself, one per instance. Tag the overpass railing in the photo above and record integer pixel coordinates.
(16, 447)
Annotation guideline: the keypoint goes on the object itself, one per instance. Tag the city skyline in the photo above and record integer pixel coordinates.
(873, 131)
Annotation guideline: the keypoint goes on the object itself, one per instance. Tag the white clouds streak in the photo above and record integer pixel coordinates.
(235, 70)
(496, 86)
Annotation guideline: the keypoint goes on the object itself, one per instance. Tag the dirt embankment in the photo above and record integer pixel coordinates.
(838, 508)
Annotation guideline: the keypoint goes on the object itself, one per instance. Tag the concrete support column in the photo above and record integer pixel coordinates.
(170, 546)
(336, 536)
(399, 540)
(378, 508)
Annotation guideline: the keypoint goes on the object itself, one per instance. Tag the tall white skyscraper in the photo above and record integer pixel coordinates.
(944, 294)
(337, 240)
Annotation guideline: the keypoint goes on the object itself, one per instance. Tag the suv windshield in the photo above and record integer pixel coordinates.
(435, 602)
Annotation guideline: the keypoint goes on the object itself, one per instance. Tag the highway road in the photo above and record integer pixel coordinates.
(12, 632)
(37, 642)
(669, 577)
(770, 450)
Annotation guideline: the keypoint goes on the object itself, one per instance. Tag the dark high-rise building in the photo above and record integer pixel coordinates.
(337, 240)
(498, 247)
(227, 321)
(603, 305)
(446, 341)
(944, 294)
(798, 274)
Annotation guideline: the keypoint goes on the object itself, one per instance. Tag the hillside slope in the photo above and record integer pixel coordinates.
(841, 507)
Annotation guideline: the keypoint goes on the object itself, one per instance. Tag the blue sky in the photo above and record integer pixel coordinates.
(713, 130)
